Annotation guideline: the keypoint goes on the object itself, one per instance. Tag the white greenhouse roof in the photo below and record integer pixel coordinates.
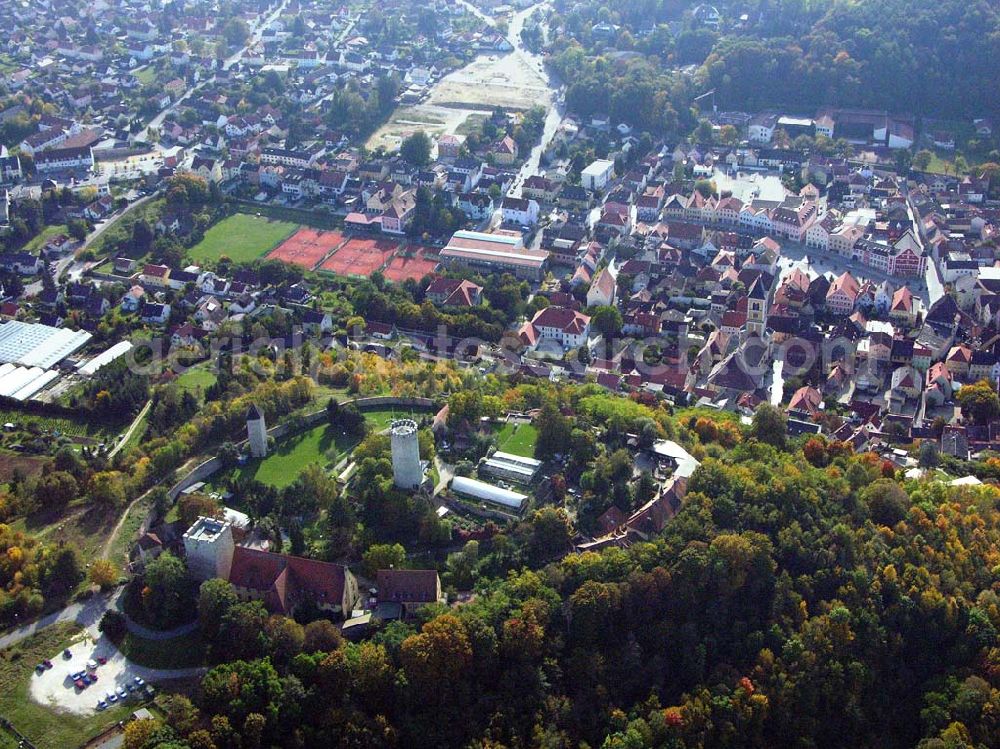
(105, 357)
(21, 383)
(37, 345)
(488, 492)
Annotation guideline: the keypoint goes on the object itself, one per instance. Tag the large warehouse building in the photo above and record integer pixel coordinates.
(500, 252)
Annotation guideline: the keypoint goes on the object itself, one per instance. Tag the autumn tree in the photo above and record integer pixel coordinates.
(979, 402)
(139, 732)
(194, 505)
(436, 659)
(103, 573)
(321, 636)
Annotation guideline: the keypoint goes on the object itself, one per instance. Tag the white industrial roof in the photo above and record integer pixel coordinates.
(598, 167)
(488, 492)
(105, 357)
(37, 345)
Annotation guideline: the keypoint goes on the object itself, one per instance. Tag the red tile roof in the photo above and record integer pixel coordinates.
(285, 580)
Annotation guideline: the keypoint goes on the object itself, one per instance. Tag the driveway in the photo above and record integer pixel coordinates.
(85, 613)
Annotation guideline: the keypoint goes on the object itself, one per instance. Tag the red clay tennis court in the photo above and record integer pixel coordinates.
(411, 262)
(361, 256)
(306, 247)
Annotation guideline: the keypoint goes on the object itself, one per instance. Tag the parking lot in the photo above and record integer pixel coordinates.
(54, 686)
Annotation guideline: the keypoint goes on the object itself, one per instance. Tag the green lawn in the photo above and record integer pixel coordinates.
(940, 166)
(46, 727)
(197, 378)
(241, 237)
(381, 418)
(321, 444)
(146, 76)
(185, 651)
(518, 439)
(36, 243)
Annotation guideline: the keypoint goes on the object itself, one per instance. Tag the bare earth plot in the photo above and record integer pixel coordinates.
(508, 81)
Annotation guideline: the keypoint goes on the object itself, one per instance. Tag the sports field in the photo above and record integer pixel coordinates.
(307, 247)
(361, 256)
(410, 262)
(241, 237)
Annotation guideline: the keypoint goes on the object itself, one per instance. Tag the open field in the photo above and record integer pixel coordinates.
(508, 81)
(307, 247)
(49, 727)
(78, 524)
(321, 444)
(361, 256)
(146, 76)
(14, 464)
(241, 237)
(518, 439)
(122, 546)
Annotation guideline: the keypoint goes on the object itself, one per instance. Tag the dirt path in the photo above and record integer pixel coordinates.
(132, 427)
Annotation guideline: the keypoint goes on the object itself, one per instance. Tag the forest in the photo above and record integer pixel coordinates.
(803, 596)
(920, 57)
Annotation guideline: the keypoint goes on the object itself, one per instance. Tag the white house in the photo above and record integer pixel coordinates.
(597, 175)
(560, 324)
(520, 211)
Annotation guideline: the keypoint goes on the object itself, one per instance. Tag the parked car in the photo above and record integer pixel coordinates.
(91, 665)
(122, 694)
(102, 660)
(111, 697)
(102, 704)
(67, 654)
(139, 681)
(47, 663)
(80, 684)
(39, 669)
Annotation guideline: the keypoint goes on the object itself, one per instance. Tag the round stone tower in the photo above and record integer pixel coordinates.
(406, 470)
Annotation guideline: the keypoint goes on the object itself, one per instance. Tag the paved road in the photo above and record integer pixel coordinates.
(85, 613)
